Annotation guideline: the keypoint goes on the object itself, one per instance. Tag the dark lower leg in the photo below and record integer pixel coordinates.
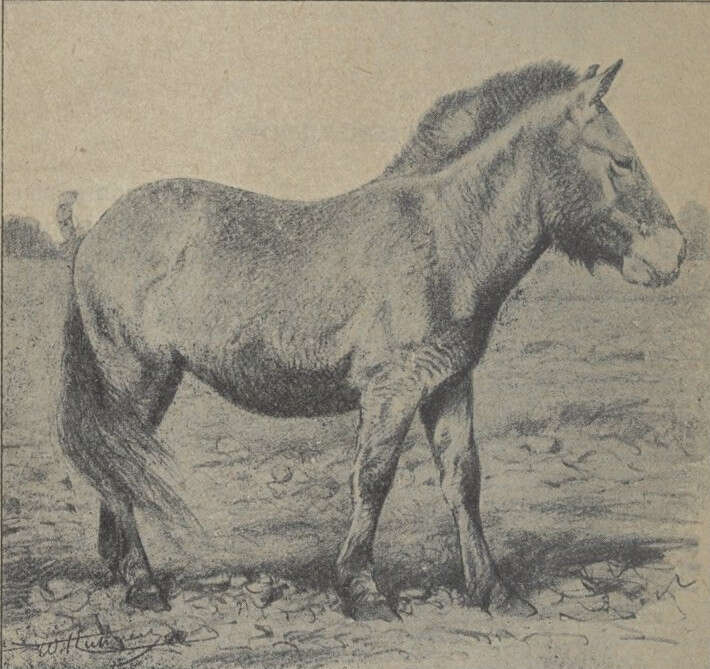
(110, 537)
(121, 546)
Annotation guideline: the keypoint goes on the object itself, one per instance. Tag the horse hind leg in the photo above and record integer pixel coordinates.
(110, 405)
(152, 398)
(119, 542)
(121, 547)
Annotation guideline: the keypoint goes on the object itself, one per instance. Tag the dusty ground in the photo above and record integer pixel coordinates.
(591, 417)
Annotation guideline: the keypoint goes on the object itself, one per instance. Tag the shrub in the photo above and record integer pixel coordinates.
(22, 237)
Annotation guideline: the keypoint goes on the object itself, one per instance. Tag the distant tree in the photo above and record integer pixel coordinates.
(22, 237)
(694, 221)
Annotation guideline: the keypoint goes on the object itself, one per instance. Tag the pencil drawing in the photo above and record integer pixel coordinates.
(451, 417)
(381, 299)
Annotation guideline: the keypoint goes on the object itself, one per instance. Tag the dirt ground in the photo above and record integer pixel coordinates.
(591, 409)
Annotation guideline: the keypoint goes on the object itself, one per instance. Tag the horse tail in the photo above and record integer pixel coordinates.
(103, 435)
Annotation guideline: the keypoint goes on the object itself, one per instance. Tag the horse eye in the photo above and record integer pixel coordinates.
(622, 163)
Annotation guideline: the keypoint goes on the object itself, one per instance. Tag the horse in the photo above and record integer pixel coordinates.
(380, 300)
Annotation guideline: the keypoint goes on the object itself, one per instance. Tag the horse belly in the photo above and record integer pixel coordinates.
(261, 382)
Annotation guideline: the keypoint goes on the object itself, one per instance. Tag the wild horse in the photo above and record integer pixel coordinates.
(380, 299)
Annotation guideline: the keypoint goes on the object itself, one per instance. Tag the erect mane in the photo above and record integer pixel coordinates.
(461, 120)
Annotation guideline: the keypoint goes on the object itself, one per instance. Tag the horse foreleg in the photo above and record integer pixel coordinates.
(447, 416)
(386, 414)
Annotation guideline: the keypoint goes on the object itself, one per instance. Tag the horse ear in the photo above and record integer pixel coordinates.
(591, 72)
(590, 91)
(605, 81)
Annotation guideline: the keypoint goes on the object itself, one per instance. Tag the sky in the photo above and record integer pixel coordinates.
(307, 100)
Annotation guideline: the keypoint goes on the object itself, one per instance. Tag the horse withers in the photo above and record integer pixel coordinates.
(380, 299)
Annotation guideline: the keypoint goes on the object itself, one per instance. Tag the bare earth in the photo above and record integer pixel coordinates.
(592, 407)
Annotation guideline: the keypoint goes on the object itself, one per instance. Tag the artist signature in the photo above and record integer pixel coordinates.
(129, 644)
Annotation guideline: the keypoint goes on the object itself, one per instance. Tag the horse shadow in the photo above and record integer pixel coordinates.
(529, 562)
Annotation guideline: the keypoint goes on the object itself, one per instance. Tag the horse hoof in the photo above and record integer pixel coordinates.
(509, 604)
(371, 607)
(147, 597)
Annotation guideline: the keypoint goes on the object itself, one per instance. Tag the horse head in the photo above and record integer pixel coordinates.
(602, 206)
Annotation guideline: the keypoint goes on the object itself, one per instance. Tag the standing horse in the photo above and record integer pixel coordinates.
(380, 299)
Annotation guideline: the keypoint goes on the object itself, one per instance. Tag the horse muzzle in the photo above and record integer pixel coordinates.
(655, 260)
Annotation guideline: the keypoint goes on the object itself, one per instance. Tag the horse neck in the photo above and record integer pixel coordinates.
(492, 222)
